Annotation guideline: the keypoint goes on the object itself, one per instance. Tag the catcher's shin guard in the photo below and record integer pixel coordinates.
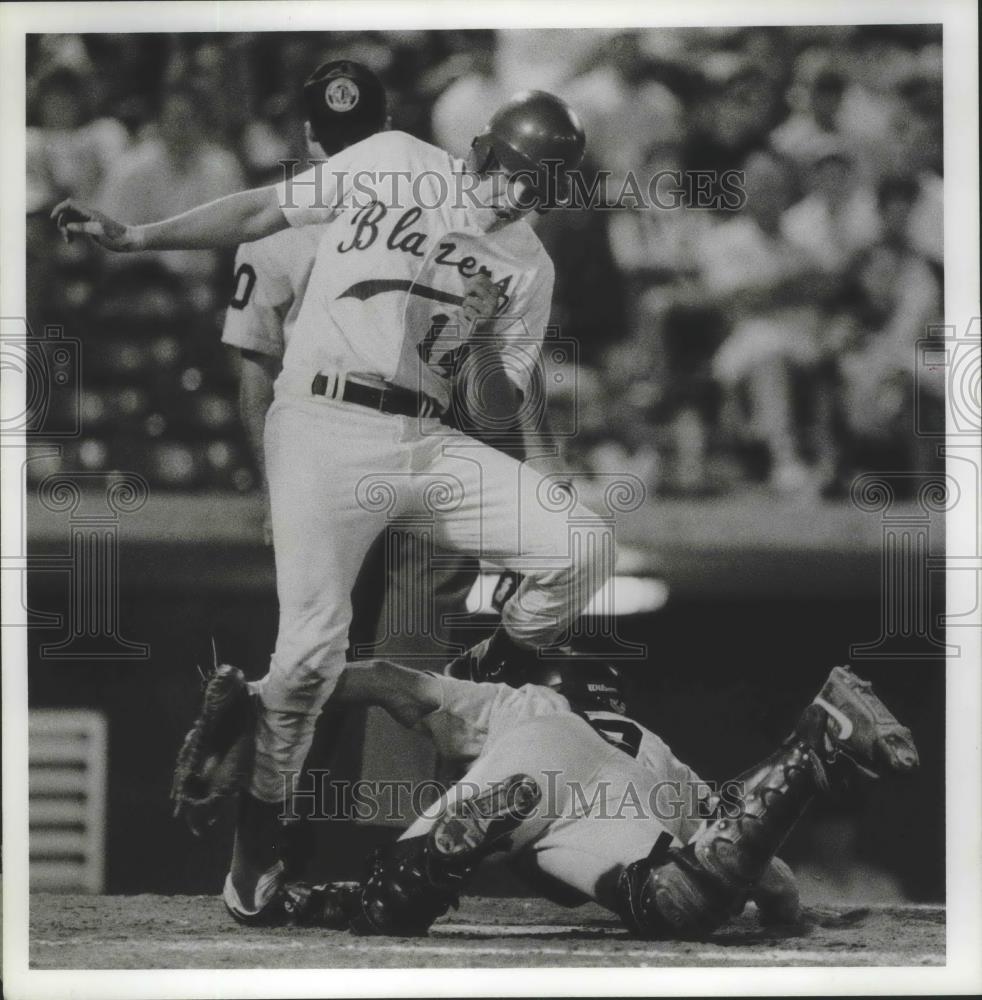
(417, 880)
(761, 807)
(329, 905)
(667, 895)
(688, 892)
(404, 893)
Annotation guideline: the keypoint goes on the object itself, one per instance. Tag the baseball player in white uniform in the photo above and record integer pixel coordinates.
(270, 279)
(428, 278)
(344, 102)
(590, 805)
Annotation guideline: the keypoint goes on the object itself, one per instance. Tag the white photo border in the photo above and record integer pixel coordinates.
(963, 971)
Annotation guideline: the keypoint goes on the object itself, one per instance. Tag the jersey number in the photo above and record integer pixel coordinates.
(621, 733)
(245, 282)
(449, 361)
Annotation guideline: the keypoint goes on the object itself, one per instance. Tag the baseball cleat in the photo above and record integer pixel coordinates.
(473, 828)
(497, 660)
(294, 904)
(465, 666)
(862, 728)
(269, 889)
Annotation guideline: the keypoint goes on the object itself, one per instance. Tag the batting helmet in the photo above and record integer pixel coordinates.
(538, 135)
(345, 102)
(588, 685)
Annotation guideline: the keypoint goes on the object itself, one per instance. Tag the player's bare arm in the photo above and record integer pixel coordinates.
(257, 373)
(482, 385)
(487, 387)
(407, 695)
(227, 222)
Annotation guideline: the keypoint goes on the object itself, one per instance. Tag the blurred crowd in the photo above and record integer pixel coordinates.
(767, 343)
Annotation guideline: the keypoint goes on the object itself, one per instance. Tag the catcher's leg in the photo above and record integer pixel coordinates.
(418, 879)
(689, 892)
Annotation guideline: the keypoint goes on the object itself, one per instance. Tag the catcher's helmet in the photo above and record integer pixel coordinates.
(344, 102)
(538, 135)
(588, 685)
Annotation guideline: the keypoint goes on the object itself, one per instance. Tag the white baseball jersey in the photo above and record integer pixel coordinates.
(389, 274)
(609, 786)
(271, 277)
(471, 717)
(382, 300)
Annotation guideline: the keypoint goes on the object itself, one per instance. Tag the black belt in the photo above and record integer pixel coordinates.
(391, 399)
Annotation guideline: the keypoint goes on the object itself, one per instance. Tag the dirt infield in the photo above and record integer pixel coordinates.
(193, 932)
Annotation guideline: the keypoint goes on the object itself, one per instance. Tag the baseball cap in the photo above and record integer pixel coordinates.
(345, 102)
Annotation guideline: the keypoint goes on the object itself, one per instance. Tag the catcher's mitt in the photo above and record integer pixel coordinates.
(215, 761)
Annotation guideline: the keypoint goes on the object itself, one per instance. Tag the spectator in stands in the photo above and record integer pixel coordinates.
(838, 215)
(874, 62)
(893, 299)
(896, 197)
(68, 151)
(672, 336)
(736, 107)
(624, 438)
(649, 294)
(494, 66)
(809, 132)
(771, 291)
(275, 134)
(175, 167)
(916, 147)
(623, 110)
(470, 91)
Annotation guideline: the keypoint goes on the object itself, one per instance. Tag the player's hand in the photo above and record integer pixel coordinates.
(480, 299)
(74, 219)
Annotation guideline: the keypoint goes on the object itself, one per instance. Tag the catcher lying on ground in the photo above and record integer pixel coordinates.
(586, 803)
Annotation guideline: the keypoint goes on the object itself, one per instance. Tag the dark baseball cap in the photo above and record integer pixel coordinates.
(345, 102)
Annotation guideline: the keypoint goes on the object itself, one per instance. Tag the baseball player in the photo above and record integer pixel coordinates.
(344, 102)
(588, 804)
(428, 278)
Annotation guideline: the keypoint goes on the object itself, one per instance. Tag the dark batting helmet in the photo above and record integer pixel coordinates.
(588, 685)
(538, 135)
(344, 102)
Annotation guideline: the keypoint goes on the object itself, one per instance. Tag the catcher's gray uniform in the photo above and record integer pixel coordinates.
(597, 766)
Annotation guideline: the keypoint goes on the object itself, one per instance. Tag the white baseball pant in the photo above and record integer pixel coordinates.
(600, 809)
(338, 473)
